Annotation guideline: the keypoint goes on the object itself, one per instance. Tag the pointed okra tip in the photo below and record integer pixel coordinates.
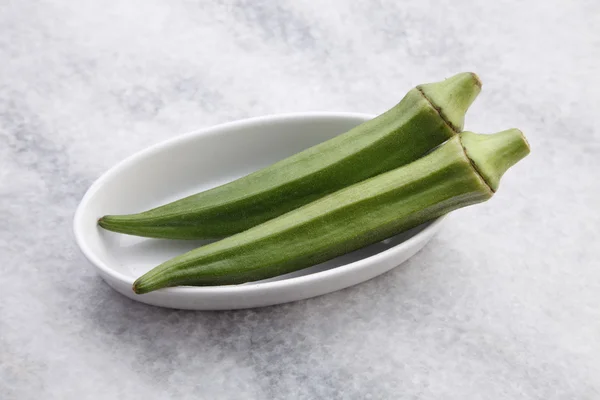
(137, 288)
(120, 223)
(108, 221)
(153, 280)
(453, 97)
(492, 155)
(102, 221)
(141, 285)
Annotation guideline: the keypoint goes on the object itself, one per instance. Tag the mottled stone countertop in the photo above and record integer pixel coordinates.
(504, 303)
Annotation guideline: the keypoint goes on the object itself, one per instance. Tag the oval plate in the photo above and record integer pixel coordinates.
(204, 159)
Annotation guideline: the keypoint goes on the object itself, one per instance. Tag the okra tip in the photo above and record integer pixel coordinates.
(140, 288)
(453, 97)
(104, 221)
(136, 288)
(120, 223)
(151, 280)
(492, 155)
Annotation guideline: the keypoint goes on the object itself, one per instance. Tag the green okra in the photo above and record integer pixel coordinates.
(463, 171)
(426, 117)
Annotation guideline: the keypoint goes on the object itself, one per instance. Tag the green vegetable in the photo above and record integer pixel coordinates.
(426, 117)
(463, 171)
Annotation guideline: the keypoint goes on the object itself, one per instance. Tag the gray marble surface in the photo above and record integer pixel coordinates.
(503, 304)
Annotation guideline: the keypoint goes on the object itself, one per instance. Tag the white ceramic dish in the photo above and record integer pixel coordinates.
(204, 159)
